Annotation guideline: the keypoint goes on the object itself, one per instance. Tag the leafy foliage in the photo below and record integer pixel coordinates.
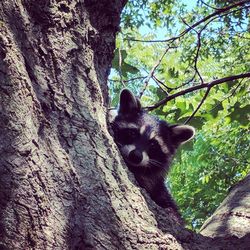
(202, 177)
(212, 49)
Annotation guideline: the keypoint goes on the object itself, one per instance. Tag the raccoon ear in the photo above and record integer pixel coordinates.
(182, 133)
(128, 103)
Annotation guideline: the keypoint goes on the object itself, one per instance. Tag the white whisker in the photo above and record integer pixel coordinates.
(155, 163)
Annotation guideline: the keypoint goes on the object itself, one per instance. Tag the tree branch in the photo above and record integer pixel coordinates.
(154, 68)
(197, 87)
(198, 107)
(159, 83)
(197, 49)
(209, 5)
(120, 67)
(227, 97)
(129, 80)
(203, 20)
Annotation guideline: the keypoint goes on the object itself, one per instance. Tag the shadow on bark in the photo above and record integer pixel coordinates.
(5, 193)
(232, 216)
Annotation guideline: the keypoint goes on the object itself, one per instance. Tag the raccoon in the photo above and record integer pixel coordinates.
(147, 145)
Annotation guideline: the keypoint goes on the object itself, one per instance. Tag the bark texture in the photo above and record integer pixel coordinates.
(233, 215)
(62, 185)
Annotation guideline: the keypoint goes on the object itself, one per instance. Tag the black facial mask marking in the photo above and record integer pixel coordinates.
(147, 145)
(154, 151)
(127, 136)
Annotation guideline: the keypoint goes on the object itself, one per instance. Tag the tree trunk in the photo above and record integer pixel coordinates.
(233, 215)
(61, 180)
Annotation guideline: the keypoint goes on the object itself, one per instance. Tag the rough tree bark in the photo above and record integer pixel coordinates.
(62, 185)
(233, 215)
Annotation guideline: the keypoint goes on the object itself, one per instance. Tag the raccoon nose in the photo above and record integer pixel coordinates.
(135, 156)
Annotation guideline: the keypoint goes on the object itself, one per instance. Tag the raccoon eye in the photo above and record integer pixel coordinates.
(132, 133)
(153, 145)
(154, 152)
(128, 136)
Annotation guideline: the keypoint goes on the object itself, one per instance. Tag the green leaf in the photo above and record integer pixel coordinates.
(125, 67)
(214, 111)
(240, 114)
(197, 122)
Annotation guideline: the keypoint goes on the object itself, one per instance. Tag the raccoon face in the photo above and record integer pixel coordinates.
(144, 140)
